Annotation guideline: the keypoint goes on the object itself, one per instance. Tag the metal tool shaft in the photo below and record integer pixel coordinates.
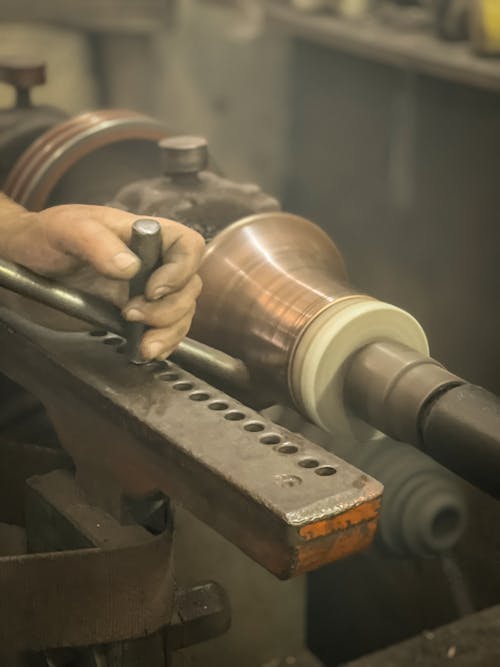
(81, 305)
(146, 243)
(104, 315)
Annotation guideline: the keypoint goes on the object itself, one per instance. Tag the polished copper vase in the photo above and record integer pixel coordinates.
(265, 279)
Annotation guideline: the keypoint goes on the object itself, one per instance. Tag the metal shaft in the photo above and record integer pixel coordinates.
(461, 430)
(146, 243)
(81, 305)
(200, 358)
(414, 399)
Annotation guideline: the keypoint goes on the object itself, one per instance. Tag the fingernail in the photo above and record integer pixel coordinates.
(159, 292)
(124, 260)
(153, 350)
(134, 315)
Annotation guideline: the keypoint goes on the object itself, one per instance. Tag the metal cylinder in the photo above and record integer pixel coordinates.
(388, 384)
(412, 398)
(265, 278)
(146, 243)
(461, 430)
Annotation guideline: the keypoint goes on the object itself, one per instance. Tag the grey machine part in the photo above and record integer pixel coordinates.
(190, 192)
(414, 399)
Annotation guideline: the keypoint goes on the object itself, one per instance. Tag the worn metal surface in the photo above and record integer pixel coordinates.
(170, 431)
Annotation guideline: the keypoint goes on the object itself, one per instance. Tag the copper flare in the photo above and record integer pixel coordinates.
(265, 279)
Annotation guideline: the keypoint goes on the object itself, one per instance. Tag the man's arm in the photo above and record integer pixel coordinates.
(86, 247)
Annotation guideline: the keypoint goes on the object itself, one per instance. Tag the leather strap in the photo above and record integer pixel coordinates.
(82, 597)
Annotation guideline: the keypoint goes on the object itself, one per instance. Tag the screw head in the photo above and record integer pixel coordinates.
(22, 73)
(184, 154)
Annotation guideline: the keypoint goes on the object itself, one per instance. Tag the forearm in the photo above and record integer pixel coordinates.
(14, 220)
(86, 247)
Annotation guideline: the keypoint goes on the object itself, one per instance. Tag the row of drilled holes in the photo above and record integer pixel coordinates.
(254, 426)
(231, 415)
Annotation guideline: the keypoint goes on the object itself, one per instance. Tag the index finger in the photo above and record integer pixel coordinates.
(183, 250)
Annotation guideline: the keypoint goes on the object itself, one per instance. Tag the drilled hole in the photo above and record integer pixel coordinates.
(288, 448)
(183, 386)
(169, 376)
(254, 427)
(98, 333)
(218, 405)
(199, 396)
(270, 439)
(234, 416)
(113, 340)
(159, 365)
(325, 471)
(309, 463)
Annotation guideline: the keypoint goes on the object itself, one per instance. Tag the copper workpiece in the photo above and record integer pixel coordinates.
(264, 279)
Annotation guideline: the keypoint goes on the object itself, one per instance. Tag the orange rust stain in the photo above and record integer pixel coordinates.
(313, 555)
(364, 512)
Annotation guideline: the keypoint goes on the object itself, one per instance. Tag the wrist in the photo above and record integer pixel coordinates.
(13, 221)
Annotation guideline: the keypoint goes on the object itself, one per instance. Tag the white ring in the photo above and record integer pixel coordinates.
(317, 373)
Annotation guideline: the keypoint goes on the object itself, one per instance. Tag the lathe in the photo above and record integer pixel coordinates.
(278, 424)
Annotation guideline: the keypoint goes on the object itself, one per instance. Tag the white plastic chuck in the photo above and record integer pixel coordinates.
(322, 353)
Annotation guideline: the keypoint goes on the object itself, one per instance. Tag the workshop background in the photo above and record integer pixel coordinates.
(378, 120)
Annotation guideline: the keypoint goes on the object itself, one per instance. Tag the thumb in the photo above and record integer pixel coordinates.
(97, 245)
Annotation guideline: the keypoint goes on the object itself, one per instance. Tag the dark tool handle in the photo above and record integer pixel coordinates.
(146, 243)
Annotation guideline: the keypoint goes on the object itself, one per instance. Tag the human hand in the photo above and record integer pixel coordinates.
(86, 247)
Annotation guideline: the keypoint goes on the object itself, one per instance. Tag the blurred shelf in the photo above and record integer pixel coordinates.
(413, 48)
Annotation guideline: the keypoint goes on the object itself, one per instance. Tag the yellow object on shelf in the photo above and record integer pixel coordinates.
(485, 26)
